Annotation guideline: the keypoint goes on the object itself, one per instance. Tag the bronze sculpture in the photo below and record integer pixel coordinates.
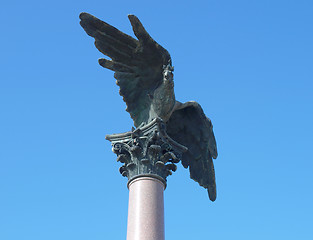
(143, 71)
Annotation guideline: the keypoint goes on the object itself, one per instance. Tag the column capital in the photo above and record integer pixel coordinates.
(147, 151)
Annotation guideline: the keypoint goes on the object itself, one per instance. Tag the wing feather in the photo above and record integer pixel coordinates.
(92, 24)
(115, 66)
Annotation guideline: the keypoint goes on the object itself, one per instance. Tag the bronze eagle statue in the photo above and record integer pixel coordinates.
(143, 71)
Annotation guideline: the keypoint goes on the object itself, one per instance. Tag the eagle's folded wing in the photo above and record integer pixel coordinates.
(190, 127)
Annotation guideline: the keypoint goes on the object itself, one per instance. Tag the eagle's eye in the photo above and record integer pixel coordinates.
(168, 75)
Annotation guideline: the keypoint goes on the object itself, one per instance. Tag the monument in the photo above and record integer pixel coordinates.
(167, 131)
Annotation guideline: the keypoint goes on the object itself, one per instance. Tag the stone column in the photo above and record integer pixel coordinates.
(148, 155)
(145, 209)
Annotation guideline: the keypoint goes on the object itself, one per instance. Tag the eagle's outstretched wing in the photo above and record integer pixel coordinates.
(190, 127)
(138, 64)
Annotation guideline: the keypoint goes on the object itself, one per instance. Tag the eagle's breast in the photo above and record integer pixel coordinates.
(163, 101)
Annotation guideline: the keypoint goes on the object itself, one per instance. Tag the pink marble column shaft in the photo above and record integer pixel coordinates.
(145, 209)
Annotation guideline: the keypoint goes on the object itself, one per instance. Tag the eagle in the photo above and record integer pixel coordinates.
(144, 72)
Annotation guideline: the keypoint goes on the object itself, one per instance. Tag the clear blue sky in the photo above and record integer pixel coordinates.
(249, 64)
